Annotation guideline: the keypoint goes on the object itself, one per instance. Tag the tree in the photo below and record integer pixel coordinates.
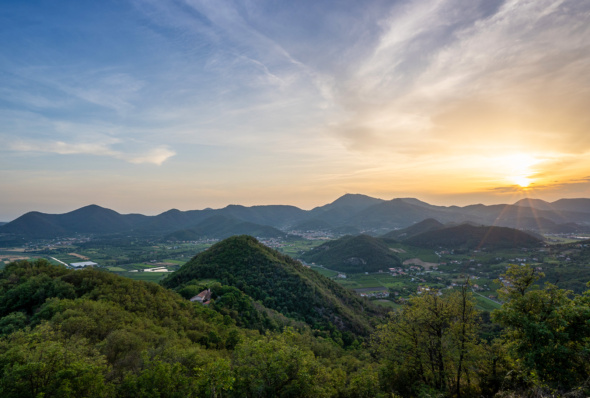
(547, 331)
(277, 367)
(431, 343)
(43, 363)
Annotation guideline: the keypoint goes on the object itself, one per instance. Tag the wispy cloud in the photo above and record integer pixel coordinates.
(155, 156)
(456, 72)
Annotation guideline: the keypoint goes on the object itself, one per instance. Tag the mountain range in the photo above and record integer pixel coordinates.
(350, 213)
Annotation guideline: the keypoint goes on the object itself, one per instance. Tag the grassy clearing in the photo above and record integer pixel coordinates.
(179, 262)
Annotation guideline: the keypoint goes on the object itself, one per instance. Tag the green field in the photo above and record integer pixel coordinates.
(294, 248)
(144, 276)
(116, 269)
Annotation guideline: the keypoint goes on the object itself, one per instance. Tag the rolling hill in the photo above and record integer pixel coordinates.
(354, 254)
(279, 283)
(430, 224)
(467, 236)
(91, 219)
(349, 213)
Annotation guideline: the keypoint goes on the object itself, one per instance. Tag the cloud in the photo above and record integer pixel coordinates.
(155, 156)
(465, 74)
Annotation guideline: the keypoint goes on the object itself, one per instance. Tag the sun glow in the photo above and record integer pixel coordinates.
(522, 181)
(520, 166)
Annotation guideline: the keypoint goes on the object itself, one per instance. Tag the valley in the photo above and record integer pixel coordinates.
(323, 312)
(565, 261)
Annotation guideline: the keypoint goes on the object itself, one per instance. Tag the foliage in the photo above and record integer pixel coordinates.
(90, 333)
(432, 343)
(547, 331)
(280, 283)
(108, 336)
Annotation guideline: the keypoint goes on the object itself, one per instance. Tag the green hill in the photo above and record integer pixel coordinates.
(466, 236)
(354, 254)
(89, 333)
(430, 224)
(280, 283)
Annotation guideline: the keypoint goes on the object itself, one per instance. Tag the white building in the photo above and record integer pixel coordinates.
(83, 264)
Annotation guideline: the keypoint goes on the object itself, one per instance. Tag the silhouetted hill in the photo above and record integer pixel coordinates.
(467, 236)
(580, 205)
(278, 216)
(353, 212)
(354, 254)
(355, 202)
(174, 220)
(399, 213)
(535, 203)
(88, 219)
(430, 224)
(221, 227)
(343, 208)
(34, 224)
(279, 282)
(96, 219)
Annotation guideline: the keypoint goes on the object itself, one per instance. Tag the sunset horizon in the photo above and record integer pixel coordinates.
(144, 106)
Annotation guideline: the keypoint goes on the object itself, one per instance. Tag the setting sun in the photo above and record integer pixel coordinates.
(522, 181)
(521, 169)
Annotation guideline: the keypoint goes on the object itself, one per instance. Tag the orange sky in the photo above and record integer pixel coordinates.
(144, 106)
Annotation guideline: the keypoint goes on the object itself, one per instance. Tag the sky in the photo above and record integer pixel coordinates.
(146, 105)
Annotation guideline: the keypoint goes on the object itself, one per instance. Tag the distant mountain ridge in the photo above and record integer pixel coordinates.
(467, 236)
(221, 227)
(429, 224)
(351, 212)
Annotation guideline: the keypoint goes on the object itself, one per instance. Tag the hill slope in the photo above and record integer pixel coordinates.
(88, 219)
(89, 333)
(466, 236)
(280, 283)
(430, 224)
(354, 254)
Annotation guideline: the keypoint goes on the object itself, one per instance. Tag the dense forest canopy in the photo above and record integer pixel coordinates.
(89, 333)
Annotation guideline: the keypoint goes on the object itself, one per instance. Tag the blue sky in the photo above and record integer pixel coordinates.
(143, 106)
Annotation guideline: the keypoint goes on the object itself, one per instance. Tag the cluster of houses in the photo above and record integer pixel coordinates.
(398, 271)
(271, 242)
(376, 294)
